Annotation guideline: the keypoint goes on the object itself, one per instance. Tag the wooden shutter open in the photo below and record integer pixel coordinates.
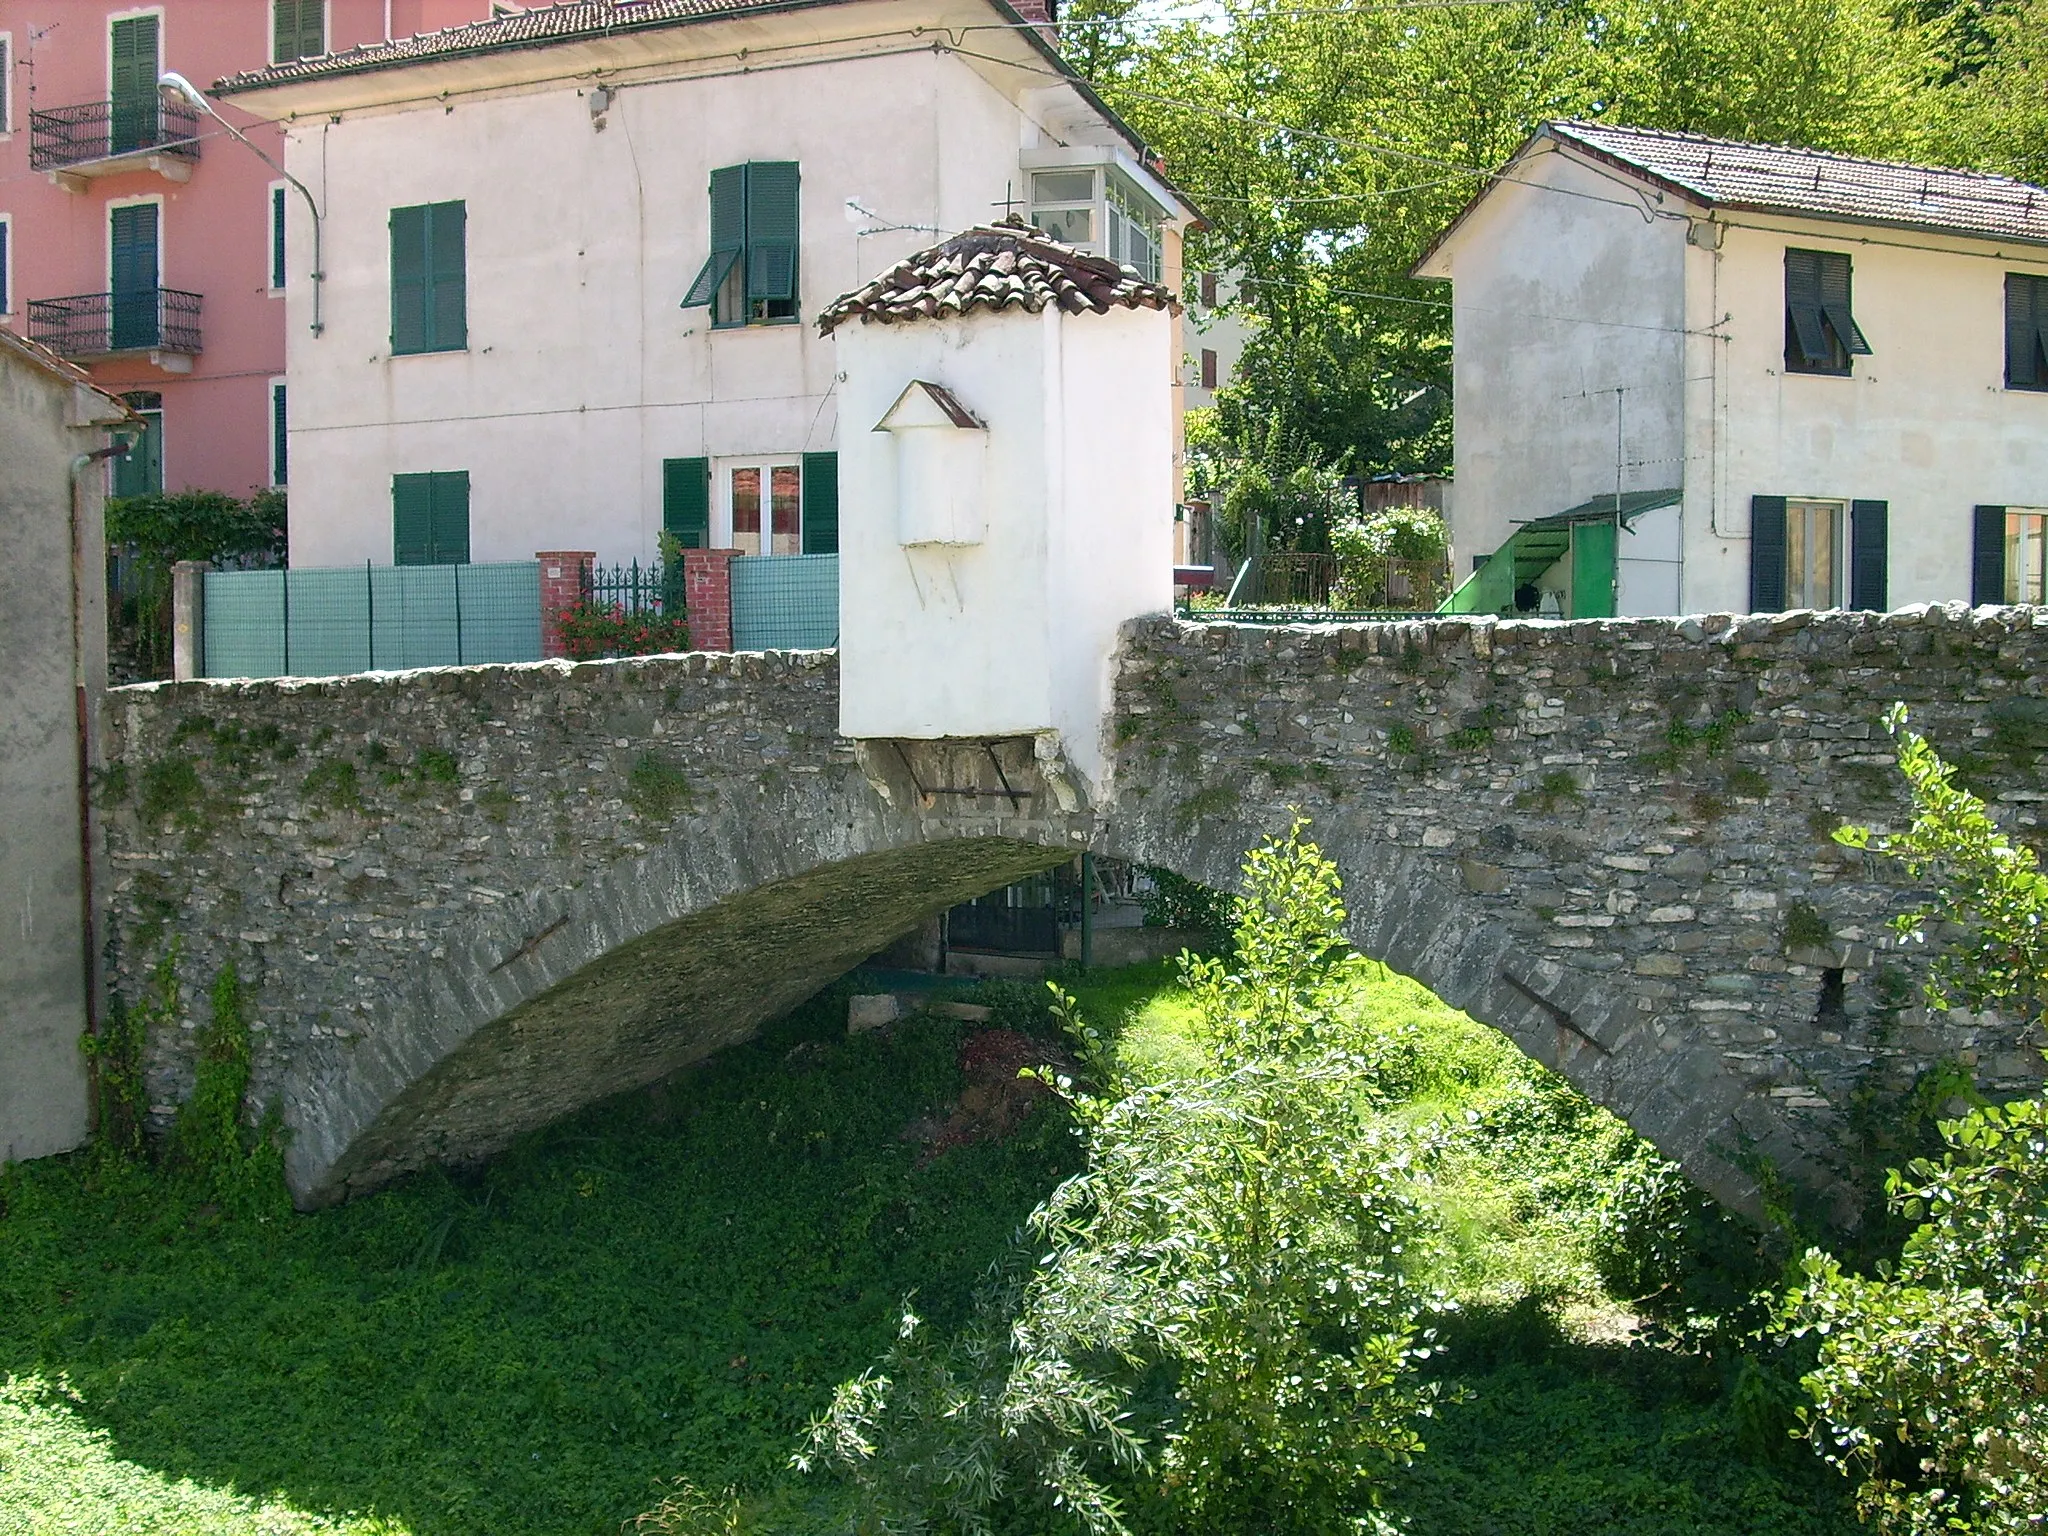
(1767, 554)
(1869, 538)
(771, 229)
(450, 517)
(686, 501)
(1834, 302)
(821, 503)
(412, 519)
(1806, 341)
(1987, 555)
(447, 277)
(728, 234)
(409, 280)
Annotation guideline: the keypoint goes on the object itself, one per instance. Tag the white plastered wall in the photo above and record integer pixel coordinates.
(1924, 423)
(1559, 298)
(582, 373)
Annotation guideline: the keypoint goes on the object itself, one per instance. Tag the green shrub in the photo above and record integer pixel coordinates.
(1178, 902)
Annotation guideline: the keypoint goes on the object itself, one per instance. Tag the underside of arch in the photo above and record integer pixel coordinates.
(659, 1001)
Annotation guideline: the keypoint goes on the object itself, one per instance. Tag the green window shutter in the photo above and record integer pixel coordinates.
(1834, 301)
(1987, 555)
(412, 519)
(728, 234)
(299, 30)
(821, 503)
(771, 229)
(447, 277)
(5, 230)
(1767, 554)
(686, 501)
(1868, 540)
(277, 237)
(450, 517)
(132, 83)
(409, 280)
(2026, 331)
(284, 31)
(1806, 342)
(277, 436)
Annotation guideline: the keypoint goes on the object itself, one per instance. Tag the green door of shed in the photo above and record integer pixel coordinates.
(1593, 551)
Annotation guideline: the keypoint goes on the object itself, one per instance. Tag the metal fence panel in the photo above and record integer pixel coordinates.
(244, 623)
(334, 621)
(785, 602)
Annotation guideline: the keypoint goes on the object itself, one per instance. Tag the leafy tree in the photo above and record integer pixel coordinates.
(1221, 1318)
(1932, 1381)
(157, 531)
(1371, 545)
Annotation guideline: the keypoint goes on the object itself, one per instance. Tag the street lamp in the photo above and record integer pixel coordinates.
(174, 88)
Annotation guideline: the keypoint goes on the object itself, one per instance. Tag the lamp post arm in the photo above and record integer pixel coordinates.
(189, 92)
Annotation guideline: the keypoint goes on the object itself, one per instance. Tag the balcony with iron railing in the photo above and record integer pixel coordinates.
(108, 138)
(161, 323)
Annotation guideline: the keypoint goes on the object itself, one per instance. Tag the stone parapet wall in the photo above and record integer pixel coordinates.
(1611, 838)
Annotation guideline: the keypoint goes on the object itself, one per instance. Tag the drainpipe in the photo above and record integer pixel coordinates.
(82, 724)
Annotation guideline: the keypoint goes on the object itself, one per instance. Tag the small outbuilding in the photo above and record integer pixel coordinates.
(54, 430)
(1006, 489)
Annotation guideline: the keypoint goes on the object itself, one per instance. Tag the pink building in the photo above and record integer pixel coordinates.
(141, 241)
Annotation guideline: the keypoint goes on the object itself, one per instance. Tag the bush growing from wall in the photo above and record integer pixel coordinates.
(1932, 1380)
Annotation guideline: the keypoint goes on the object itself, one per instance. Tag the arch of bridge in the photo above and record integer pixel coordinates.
(535, 886)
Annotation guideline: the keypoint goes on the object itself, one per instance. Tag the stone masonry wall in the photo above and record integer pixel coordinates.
(1611, 838)
(468, 901)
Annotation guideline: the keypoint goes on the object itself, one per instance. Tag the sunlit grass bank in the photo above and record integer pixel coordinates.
(671, 1284)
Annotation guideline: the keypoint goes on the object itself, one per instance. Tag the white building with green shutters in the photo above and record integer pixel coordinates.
(571, 257)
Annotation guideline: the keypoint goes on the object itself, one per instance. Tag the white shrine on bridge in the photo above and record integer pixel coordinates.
(1006, 490)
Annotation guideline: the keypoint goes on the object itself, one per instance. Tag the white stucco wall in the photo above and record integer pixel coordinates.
(1559, 298)
(582, 373)
(1924, 423)
(1013, 635)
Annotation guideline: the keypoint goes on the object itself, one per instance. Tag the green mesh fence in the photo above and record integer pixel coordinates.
(323, 623)
(785, 602)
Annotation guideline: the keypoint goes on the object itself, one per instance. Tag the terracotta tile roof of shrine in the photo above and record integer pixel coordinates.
(1001, 266)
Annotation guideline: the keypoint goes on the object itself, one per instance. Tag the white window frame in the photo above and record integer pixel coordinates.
(279, 209)
(7, 266)
(163, 38)
(1093, 204)
(326, 31)
(2015, 579)
(270, 427)
(721, 495)
(7, 84)
(1798, 583)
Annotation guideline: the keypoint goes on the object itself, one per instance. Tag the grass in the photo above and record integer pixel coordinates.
(670, 1284)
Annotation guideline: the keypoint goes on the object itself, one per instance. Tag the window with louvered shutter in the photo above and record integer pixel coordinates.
(2026, 331)
(686, 501)
(1869, 555)
(6, 255)
(771, 240)
(1987, 555)
(750, 276)
(6, 90)
(133, 110)
(277, 438)
(821, 503)
(1821, 334)
(430, 518)
(1767, 554)
(277, 237)
(298, 30)
(429, 284)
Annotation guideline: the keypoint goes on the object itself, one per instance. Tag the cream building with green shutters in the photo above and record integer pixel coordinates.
(571, 258)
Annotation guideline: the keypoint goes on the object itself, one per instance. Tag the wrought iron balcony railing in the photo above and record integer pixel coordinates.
(105, 130)
(100, 324)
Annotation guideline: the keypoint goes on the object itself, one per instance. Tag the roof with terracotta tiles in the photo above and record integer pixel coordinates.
(1814, 184)
(1008, 265)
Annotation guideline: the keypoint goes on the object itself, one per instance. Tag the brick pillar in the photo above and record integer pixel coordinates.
(561, 588)
(707, 597)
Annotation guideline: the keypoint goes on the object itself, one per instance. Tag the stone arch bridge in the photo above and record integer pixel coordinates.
(466, 902)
